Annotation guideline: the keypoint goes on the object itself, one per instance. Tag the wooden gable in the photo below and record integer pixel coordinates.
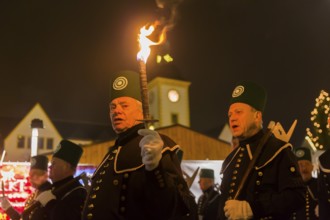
(23, 130)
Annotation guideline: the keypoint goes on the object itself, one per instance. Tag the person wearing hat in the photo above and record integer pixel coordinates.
(38, 176)
(140, 177)
(305, 168)
(208, 202)
(323, 210)
(67, 203)
(274, 188)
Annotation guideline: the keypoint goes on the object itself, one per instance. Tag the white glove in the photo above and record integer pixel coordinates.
(45, 197)
(151, 148)
(235, 209)
(5, 204)
(316, 210)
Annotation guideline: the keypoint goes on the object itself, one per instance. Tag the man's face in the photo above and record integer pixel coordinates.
(125, 112)
(244, 121)
(37, 177)
(205, 183)
(59, 169)
(305, 169)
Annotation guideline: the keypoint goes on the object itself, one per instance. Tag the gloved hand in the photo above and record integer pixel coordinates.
(5, 204)
(235, 209)
(45, 197)
(151, 148)
(316, 210)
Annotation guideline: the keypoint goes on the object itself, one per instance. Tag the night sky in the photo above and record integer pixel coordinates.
(62, 54)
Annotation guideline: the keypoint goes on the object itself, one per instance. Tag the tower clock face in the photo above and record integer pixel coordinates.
(173, 95)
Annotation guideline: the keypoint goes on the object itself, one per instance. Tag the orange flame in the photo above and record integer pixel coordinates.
(145, 42)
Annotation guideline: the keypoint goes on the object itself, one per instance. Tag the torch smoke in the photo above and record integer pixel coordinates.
(169, 11)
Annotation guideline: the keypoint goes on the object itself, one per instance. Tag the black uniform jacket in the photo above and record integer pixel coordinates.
(324, 185)
(311, 195)
(123, 189)
(36, 214)
(208, 204)
(69, 203)
(274, 189)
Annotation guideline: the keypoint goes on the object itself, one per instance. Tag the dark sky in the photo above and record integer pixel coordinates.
(62, 53)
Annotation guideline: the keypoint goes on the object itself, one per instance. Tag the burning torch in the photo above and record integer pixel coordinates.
(142, 56)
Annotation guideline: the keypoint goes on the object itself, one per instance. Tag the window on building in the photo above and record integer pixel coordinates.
(20, 141)
(41, 143)
(174, 118)
(50, 143)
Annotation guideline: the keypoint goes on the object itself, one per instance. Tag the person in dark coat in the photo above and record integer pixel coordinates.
(208, 202)
(274, 188)
(66, 198)
(140, 177)
(324, 186)
(38, 176)
(311, 195)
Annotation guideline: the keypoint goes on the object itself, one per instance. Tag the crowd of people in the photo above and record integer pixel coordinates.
(141, 178)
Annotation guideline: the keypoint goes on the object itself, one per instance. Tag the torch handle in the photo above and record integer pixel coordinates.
(144, 90)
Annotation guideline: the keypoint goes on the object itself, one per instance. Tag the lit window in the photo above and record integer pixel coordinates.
(50, 143)
(174, 118)
(20, 141)
(40, 143)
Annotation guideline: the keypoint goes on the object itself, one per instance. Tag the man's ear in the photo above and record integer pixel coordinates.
(258, 115)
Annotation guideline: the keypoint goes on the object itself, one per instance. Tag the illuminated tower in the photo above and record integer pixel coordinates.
(169, 101)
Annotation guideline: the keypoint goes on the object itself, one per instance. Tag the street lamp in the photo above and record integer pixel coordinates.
(35, 125)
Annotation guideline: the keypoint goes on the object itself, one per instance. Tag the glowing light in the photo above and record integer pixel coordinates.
(145, 43)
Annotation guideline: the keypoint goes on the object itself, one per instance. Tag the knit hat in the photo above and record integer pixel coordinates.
(69, 152)
(125, 83)
(250, 93)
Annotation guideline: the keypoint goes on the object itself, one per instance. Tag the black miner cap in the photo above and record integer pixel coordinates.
(69, 152)
(303, 153)
(125, 83)
(39, 162)
(207, 173)
(250, 93)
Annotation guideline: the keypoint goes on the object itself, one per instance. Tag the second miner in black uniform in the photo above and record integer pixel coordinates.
(274, 189)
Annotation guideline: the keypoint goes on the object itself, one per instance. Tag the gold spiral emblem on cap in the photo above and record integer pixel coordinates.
(120, 83)
(300, 153)
(238, 91)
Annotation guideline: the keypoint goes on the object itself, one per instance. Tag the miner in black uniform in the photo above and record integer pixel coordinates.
(274, 189)
(208, 202)
(140, 177)
(38, 176)
(67, 203)
(311, 195)
(324, 186)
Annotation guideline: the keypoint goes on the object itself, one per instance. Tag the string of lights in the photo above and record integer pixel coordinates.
(319, 135)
